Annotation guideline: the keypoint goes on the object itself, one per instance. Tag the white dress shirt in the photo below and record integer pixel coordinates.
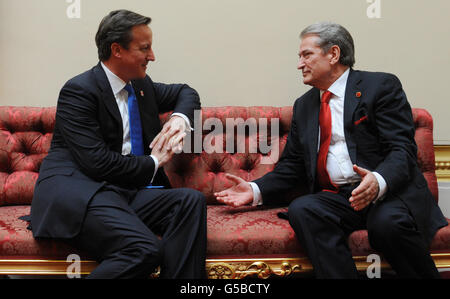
(339, 164)
(121, 96)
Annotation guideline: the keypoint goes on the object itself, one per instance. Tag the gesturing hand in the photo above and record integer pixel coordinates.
(238, 195)
(171, 135)
(366, 191)
(163, 155)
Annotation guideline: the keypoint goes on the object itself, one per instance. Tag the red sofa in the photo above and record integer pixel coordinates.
(247, 241)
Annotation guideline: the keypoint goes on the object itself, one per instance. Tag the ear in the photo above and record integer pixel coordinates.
(116, 50)
(335, 54)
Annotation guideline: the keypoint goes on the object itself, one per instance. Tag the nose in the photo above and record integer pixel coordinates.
(301, 64)
(151, 55)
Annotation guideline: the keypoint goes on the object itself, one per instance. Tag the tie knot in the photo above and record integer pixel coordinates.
(326, 97)
(129, 89)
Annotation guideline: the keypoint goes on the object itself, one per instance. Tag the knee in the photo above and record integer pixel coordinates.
(194, 196)
(146, 253)
(300, 208)
(142, 256)
(388, 229)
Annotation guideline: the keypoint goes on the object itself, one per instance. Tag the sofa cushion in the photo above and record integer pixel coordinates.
(25, 137)
(26, 132)
(230, 143)
(232, 233)
(249, 231)
(17, 241)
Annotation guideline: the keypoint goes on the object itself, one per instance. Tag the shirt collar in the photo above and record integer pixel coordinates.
(116, 83)
(338, 87)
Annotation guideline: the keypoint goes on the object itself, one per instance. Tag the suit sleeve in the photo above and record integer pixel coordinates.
(290, 169)
(396, 131)
(179, 98)
(76, 120)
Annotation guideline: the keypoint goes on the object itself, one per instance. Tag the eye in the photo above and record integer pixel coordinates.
(145, 48)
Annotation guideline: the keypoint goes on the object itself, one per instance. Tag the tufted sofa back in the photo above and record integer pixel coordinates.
(226, 143)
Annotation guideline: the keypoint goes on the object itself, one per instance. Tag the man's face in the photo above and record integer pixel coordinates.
(314, 63)
(134, 60)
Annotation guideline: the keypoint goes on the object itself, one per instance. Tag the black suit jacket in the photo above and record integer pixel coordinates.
(379, 133)
(86, 148)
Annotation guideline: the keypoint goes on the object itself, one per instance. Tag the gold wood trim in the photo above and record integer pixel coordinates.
(216, 268)
(42, 267)
(442, 260)
(284, 267)
(260, 267)
(442, 157)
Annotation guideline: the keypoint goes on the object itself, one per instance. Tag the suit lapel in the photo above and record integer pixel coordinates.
(312, 119)
(107, 95)
(351, 102)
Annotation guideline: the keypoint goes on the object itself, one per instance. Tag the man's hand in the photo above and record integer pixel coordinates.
(163, 155)
(238, 195)
(171, 135)
(366, 191)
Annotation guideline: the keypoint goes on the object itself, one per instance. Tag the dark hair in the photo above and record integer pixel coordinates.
(116, 28)
(331, 34)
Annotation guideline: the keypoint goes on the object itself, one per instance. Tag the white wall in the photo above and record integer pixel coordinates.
(234, 52)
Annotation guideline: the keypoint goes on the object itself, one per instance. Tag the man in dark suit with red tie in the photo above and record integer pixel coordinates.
(351, 145)
(102, 187)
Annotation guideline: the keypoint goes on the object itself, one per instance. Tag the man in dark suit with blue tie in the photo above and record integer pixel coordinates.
(351, 145)
(102, 187)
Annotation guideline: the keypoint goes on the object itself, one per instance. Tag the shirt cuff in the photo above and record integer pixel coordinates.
(156, 167)
(186, 119)
(382, 187)
(257, 197)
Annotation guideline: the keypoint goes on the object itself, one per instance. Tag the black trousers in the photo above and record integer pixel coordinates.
(130, 233)
(323, 222)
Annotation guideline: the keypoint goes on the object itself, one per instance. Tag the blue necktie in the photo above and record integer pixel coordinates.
(137, 144)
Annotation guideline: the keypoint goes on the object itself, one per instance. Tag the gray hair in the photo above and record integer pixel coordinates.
(331, 34)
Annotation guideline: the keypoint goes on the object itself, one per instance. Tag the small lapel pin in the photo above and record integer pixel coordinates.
(142, 93)
(358, 94)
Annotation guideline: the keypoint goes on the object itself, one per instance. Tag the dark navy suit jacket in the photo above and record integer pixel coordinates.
(86, 149)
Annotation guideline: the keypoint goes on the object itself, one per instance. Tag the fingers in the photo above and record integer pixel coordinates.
(163, 157)
(233, 201)
(176, 143)
(221, 194)
(171, 140)
(238, 195)
(365, 193)
(225, 198)
(361, 171)
(359, 191)
(169, 129)
(159, 136)
(234, 179)
(360, 202)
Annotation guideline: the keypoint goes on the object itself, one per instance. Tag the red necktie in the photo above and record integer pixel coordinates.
(325, 138)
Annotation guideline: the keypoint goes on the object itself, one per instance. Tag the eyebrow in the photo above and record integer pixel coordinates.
(304, 51)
